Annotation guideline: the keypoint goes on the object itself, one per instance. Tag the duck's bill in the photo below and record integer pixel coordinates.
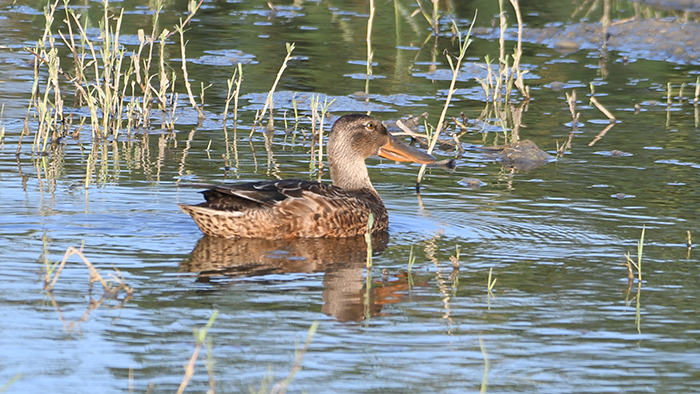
(399, 151)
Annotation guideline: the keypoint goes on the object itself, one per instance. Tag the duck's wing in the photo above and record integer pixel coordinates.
(264, 194)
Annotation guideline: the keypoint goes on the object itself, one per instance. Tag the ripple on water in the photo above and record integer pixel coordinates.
(560, 317)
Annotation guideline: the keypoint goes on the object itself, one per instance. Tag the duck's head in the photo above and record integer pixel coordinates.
(356, 137)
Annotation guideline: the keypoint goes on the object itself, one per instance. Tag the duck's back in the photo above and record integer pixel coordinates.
(287, 209)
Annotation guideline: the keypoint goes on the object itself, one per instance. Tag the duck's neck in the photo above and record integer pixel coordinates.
(350, 174)
(348, 169)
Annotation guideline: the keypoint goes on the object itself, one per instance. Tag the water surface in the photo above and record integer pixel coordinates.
(561, 318)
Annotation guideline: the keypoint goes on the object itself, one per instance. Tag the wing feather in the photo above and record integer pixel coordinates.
(265, 194)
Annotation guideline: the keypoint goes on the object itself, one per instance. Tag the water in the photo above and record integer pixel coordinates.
(561, 318)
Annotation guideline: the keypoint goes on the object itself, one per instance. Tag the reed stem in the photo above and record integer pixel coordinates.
(463, 45)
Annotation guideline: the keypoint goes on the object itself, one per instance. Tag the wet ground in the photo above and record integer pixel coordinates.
(634, 39)
(562, 315)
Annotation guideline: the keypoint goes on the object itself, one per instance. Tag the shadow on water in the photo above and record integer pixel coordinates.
(342, 261)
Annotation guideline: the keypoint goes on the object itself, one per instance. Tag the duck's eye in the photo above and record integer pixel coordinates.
(370, 126)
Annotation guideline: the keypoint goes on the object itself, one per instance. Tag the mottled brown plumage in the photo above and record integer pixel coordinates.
(296, 208)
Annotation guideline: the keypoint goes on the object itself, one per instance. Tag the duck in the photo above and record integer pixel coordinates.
(294, 208)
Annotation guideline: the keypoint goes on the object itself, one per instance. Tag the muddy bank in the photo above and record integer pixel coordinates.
(635, 38)
(677, 5)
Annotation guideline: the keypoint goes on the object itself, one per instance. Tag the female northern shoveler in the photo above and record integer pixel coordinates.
(294, 208)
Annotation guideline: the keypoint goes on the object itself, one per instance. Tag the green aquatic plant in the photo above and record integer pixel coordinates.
(600, 106)
(487, 84)
(464, 43)
(368, 239)
(491, 283)
(10, 382)
(181, 31)
(324, 111)
(115, 89)
(516, 74)
(489, 287)
(101, 77)
(296, 111)
(571, 102)
(432, 18)
(368, 287)
(487, 366)
(234, 89)
(200, 335)
(2, 128)
(370, 53)
(498, 86)
(109, 286)
(48, 111)
(269, 102)
(49, 268)
(638, 266)
(281, 387)
(411, 261)
(111, 291)
(605, 111)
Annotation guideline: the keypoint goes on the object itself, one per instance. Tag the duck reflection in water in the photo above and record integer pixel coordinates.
(343, 260)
